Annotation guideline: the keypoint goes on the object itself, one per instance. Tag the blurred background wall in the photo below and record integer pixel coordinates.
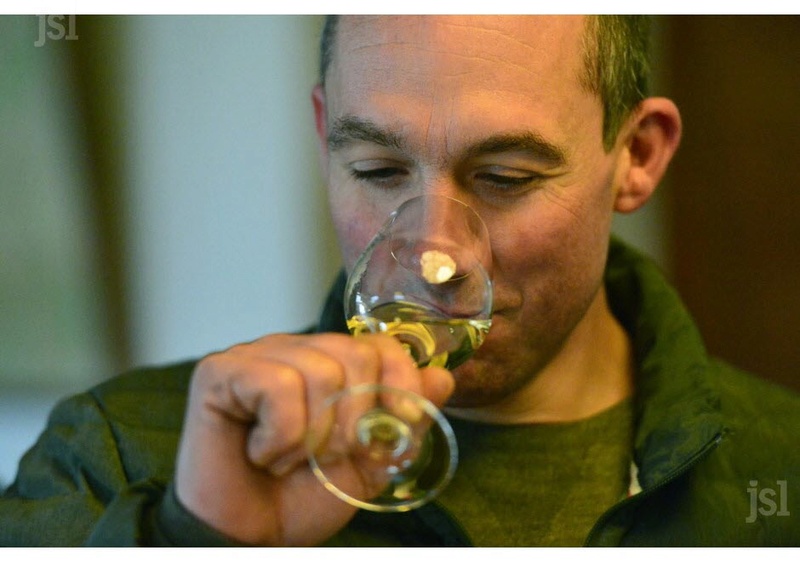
(735, 185)
(160, 199)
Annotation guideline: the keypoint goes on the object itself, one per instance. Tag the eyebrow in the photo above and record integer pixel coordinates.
(530, 143)
(349, 129)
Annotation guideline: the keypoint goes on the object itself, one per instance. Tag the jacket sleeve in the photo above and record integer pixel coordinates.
(79, 486)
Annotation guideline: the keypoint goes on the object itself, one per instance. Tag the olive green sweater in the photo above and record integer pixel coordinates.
(716, 451)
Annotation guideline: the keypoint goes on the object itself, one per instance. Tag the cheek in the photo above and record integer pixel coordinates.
(559, 244)
(352, 235)
(356, 223)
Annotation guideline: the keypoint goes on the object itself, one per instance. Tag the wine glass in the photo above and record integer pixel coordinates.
(424, 279)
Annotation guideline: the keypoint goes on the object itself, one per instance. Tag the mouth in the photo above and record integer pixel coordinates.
(502, 311)
(505, 302)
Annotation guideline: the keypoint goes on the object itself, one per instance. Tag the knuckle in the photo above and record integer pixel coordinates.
(277, 340)
(363, 354)
(282, 385)
(332, 339)
(212, 370)
(329, 373)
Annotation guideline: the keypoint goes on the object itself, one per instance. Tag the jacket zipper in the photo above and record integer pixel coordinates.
(641, 496)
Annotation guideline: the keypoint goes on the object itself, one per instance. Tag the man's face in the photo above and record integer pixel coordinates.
(489, 111)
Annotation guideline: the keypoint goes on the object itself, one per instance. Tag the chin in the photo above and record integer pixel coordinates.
(494, 375)
(481, 382)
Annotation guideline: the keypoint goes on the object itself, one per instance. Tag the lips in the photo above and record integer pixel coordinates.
(505, 301)
(498, 330)
(502, 310)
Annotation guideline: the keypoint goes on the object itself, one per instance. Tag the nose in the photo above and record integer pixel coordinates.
(448, 236)
(443, 217)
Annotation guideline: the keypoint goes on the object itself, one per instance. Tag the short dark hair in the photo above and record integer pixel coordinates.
(616, 67)
(616, 64)
(326, 46)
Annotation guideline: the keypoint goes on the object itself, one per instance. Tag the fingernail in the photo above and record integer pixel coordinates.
(409, 411)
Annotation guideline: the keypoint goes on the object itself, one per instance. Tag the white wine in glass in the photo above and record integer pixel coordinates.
(424, 279)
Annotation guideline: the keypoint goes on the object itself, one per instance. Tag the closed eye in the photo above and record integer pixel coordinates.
(381, 176)
(505, 179)
(377, 173)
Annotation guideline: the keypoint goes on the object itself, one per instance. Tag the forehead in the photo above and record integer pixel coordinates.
(532, 45)
(445, 81)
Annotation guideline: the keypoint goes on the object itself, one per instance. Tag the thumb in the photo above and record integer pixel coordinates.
(437, 384)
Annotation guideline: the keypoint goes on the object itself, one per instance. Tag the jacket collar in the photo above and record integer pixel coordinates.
(332, 318)
(676, 408)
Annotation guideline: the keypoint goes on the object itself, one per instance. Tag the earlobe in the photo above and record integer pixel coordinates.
(652, 137)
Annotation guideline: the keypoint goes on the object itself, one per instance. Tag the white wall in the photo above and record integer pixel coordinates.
(51, 327)
(229, 221)
(227, 215)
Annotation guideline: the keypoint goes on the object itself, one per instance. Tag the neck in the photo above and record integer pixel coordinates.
(592, 372)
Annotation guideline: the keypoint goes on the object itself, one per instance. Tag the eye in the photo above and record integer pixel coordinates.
(503, 179)
(380, 174)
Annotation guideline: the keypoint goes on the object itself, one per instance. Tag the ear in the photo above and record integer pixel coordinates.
(320, 123)
(650, 137)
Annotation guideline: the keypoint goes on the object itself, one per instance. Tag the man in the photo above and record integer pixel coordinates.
(590, 415)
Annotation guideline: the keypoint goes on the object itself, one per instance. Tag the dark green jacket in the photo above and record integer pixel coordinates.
(716, 450)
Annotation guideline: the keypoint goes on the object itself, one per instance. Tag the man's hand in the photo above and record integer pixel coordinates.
(241, 463)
